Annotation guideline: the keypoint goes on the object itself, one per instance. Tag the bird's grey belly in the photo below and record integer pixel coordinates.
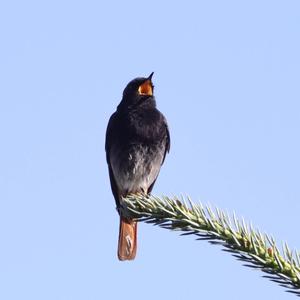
(137, 167)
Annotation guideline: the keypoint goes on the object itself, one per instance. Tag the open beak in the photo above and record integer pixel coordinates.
(146, 88)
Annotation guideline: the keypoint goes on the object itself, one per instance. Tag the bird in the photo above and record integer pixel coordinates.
(136, 143)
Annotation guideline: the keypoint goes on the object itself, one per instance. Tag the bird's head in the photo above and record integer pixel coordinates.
(138, 91)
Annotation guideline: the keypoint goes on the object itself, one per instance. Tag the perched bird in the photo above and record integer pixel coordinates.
(137, 140)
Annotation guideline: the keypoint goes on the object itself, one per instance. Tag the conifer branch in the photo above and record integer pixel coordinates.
(257, 250)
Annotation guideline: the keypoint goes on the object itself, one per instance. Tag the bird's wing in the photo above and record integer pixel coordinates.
(108, 142)
(109, 136)
(167, 149)
(168, 140)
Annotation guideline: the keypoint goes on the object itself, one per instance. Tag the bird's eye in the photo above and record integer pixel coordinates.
(146, 88)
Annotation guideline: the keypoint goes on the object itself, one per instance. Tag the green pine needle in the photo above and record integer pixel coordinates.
(255, 249)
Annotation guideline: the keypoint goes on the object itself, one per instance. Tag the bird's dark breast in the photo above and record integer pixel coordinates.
(137, 153)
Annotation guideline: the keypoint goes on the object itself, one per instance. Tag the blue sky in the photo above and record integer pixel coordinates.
(227, 79)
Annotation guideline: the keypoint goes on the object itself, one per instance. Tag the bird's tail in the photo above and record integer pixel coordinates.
(127, 239)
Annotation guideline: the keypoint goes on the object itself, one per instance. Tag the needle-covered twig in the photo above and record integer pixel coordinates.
(257, 250)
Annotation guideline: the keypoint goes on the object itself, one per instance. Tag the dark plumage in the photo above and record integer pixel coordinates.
(137, 140)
